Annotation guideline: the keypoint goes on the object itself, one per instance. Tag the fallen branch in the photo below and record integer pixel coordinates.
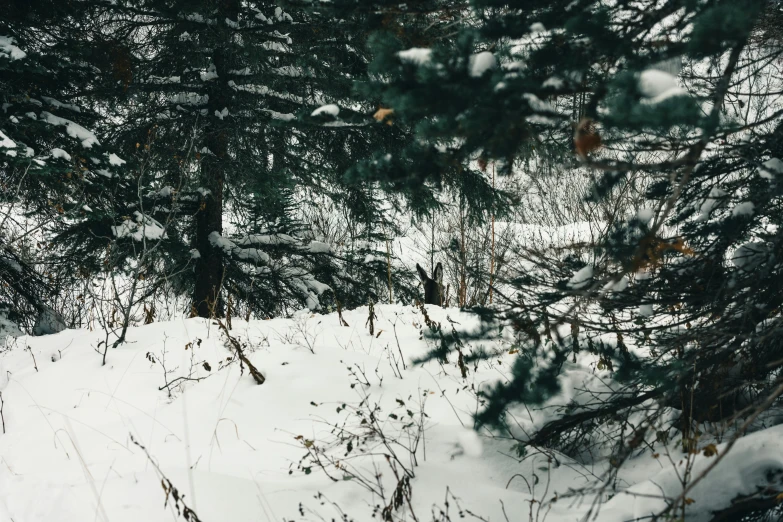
(257, 375)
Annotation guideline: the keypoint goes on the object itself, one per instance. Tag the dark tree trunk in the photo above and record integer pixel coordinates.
(210, 266)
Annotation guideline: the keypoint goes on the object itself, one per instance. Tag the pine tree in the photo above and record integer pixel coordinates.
(237, 111)
(53, 168)
(681, 297)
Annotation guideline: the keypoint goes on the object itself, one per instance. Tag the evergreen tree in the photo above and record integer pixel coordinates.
(681, 297)
(54, 170)
(238, 110)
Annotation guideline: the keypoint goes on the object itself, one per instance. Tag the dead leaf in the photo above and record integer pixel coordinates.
(381, 114)
(711, 450)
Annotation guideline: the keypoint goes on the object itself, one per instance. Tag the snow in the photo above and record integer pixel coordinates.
(536, 103)
(554, 82)
(116, 160)
(267, 239)
(61, 105)
(228, 246)
(318, 247)
(416, 55)
(8, 328)
(771, 168)
(281, 15)
(657, 85)
(232, 447)
(142, 227)
(10, 50)
(537, 27)
(165, 192)
(198, 18)
(470, 442)
(581, 278)
(753, 465)
(745, 208)
(6, 142)
(279, 115)
(164, 80)
(711, 203)
(618, 286)
(60, 153)
(288, 70)
(645, 215)
(210, 74)
(275, 46)
(331, 109)
(481, 63)
(74, 130)
(189, 98)
(48, 322)
(750, 255)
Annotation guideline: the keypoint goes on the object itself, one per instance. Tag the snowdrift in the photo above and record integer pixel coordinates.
(170, 408)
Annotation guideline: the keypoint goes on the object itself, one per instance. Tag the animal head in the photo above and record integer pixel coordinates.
(433, 286)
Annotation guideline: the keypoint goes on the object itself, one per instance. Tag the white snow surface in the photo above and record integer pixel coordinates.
(232, 446)
(60, 153)
(228, 246)
(481, 63)
(750, 255)
(116, 160)
(711, 203)
(416, 55)
(61, 105)
(745, 208)
(658, 85)
(10, 50)
(6, 142)
(771, 168)
(331, 109)
(537, 27)
(74, 130)
(582, 278)
(139, 228)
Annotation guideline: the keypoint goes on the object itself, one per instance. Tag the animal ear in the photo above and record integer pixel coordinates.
(422, 273)
(437, 275)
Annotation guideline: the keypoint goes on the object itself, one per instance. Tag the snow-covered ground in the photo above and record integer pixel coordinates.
(238, 451)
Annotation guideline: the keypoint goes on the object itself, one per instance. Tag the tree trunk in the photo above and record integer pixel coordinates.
(210, 266)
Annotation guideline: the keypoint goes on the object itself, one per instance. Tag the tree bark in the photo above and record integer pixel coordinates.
(210, 266)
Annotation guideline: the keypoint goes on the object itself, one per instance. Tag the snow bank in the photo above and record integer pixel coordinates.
(235, 449)
(657, 85)
(480, 63)
(416, 55)
(331, 110)
(141, 227)
(10, 50)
